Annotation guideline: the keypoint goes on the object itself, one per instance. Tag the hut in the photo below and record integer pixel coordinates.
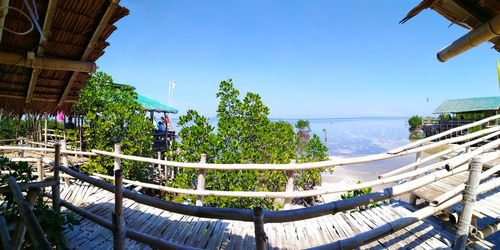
(47, 50)
(479, 16)
(44, 66)
(457, 112)
(161, 139)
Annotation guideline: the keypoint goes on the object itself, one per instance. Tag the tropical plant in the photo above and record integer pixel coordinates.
(415, 122)
(359, 192)
(244, 135)
(10, 127)
(113, 115)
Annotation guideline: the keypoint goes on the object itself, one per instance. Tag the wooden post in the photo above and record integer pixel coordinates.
(20, 231)
(45, 128)
(159, 167)
(56, 192)
(289, 186)
(35, 232)
(39, 169)
(118, 160)
(469, 199)
(118, 220)
(4, 235)
(260, 234)
(201, 180)
(64, 158)
(413, 198)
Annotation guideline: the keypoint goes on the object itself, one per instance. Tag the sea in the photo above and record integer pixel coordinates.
(358, 136)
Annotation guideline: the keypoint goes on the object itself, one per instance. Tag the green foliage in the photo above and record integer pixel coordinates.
(359, 192)
(303, 125)
(474, 129)
(113, 115)
(244, 135)
(10, 127)
(415, 121)
(52, 222)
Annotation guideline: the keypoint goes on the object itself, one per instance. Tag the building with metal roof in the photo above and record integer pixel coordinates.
(476, 104)
(155, 106)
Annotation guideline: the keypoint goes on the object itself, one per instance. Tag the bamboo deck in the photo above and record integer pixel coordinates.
(224, 234)
(435, 189)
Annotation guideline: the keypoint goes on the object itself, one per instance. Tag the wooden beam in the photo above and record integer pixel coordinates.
(3, 13)
(49, 16)
(91, 45)
(31, 87)
(22, 97)
(46, 63)
(47, 24)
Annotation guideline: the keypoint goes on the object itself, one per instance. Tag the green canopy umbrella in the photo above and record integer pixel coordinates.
(155, 106)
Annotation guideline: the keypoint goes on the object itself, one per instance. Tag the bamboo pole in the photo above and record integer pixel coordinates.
(118, 160)
(25, 186)
(444, 152)
(470, 194)
(35, 232)
(4, 235)
(393, 226)
(437, 136)
(289, 186)
(260, 234)
(418, 159)
(489, 230)
(56, 191)
(201, 180)
(458, 189)
(20, 231)
(118, 219)
(64, 157)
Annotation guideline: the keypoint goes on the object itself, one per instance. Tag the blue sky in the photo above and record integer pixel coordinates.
(307, 59)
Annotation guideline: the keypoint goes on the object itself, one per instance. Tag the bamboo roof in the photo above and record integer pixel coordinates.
(50, 78)
(469, 105)
(466, 13)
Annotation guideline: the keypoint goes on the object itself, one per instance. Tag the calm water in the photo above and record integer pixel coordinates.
(350, 137)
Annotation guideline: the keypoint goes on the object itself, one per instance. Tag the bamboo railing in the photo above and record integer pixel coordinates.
(419, 176)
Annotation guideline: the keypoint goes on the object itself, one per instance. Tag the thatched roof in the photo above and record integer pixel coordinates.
(75, 35)
(469, 14)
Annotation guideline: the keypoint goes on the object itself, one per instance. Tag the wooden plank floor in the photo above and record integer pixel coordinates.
(431, 191)
(225, 234)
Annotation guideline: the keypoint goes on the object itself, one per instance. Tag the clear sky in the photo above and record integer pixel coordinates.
(307, 59)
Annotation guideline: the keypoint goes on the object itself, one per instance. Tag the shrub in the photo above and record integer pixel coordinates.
(244, 135)
(113, 115)
(415, 121)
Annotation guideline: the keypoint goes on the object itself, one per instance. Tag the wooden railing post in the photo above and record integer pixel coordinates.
(34, 230)
(39, 169)
(20, 231)
(118, 220)
(64, 158)
(201, 180)
(56, 191)
(469, 199)
(4, 235)
(413, 198)
(260, 233)
(118, 160)
(289, 186)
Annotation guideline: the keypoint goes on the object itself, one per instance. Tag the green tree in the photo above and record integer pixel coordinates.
(113, 115)
(11, 127)
(244, 135)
